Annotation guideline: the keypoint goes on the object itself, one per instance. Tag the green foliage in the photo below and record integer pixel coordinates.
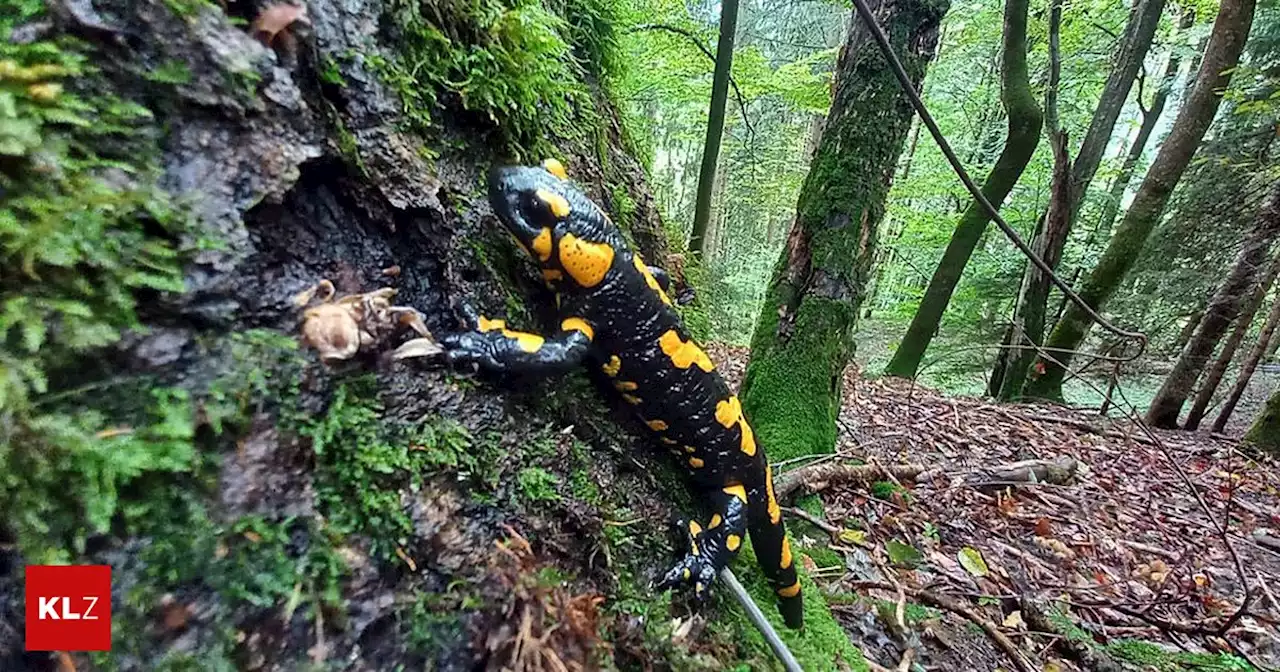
(509, 60)
(1151, 656)
(538, 485)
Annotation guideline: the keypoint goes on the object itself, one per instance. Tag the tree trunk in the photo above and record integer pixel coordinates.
(1028, 316)
(1213, 377)
(1247, 367)
(802, 341)
(1150, 116)
(1220, 58)
(715, 124)
(1023, 136)
(1141, 28)
(1264, 435)
(1188, 330)
(1223, 309)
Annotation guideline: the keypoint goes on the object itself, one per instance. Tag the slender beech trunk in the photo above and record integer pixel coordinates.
(1213, 377)
(803, 339)
(1023, 136)
(1223, 309)
(1247, 367)
(1133, 48)
(1033, 298)
(1150, 116)
(1222, 53)
(1264, 435)
(715, 124)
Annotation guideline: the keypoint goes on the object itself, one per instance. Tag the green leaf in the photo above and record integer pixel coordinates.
(972, 561)
(903, 555)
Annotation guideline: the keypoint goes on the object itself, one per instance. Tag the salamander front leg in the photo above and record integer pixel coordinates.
(494, 347)
(713, 546)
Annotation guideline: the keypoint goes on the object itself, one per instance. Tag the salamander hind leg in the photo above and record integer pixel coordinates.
(773, 551)
(712, 546)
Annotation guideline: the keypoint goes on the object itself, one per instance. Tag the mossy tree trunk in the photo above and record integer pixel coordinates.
(1023, 136)
(1221, 55)
(1264, 435)
(1223, 309)
(715, 124)
(1027, 328)
(1248, 366)
(802, 340)
(1213, 377)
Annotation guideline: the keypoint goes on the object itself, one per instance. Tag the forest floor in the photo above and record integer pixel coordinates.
(1122, 556)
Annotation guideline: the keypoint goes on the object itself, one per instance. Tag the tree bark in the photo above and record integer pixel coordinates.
(1247, 367)
(1213, 377)
(1223, 309)
(715, 124)
(1033, 298)
(1222, 53)
(1150, 116)
(1141, 28)
(802, 342)
(1023, 135)
(1265, 432)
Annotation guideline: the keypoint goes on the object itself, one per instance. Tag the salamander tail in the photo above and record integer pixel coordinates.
(773, 552)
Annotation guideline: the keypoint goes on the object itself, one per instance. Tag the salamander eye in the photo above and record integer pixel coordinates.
(549, 205)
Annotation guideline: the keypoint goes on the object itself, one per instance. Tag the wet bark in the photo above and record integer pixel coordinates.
(802, 341)
(1025, 120)
(1222, 53)
(1213, 377)
(1223, 309)
(1264, 435)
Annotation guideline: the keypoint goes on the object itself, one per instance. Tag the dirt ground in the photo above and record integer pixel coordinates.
(1153, 537)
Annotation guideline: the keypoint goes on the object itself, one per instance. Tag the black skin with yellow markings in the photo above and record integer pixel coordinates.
(616, 316)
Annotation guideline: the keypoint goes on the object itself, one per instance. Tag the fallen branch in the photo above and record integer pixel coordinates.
(1036, 617)
(957, 607)
(818, 477)
(1058, 471)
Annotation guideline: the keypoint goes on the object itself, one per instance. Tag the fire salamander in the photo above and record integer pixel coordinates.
(616, 315)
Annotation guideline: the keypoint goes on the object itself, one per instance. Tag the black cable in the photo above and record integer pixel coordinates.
(864, 13)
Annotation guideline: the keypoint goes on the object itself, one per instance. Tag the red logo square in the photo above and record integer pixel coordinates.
(68, 608)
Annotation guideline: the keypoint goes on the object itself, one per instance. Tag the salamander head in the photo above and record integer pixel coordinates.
(540, 206)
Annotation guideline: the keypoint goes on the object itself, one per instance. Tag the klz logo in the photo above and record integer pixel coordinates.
(68, 608)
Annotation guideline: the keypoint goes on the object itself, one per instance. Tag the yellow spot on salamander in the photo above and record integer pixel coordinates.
(690, 449)
(785, 562)
(748, 444)
(632, 399)
(656, 425)
(625, 386)
(542, 244)
(694, 528)
(737, 491)
(775, 511)
(612, 367)
(699, 587)
(732, 542)
(684, 353)
(578, 324)
(669, 442)
(696, 462)
(486, 324)
(552, 275)
(556, 168)
(791, 590)
(586, 262)
(715, 521)
(649, 279)
(527, 342)
(728, 411)
(555, 203)
(687, 574)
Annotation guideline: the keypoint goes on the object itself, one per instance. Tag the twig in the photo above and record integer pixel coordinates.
(805, 515)
(955, 606)
(697, 42)
(757, 618)
(817, 477)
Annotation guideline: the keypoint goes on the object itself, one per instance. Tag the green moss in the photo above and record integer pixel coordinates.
(538, 485)
(507, 60)
(817, 647)
(1264, 435)
(1151, 656)
(366, 466)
